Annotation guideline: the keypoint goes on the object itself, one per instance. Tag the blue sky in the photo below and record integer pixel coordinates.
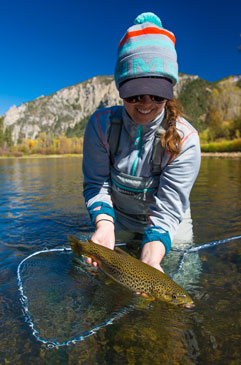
(46, 45)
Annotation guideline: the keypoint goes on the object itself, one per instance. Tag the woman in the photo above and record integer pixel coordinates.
(144, 184)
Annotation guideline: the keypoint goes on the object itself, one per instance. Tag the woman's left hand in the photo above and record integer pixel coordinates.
(153, 253)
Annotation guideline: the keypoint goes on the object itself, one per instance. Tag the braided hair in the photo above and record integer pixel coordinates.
(171, 140)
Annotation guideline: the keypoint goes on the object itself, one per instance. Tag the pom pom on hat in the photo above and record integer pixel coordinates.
(147, 50)
(148, 17)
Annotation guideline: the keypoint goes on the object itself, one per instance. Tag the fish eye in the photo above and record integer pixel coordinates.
(175, 296)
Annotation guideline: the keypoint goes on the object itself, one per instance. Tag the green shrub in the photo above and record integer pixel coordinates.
(223, 146)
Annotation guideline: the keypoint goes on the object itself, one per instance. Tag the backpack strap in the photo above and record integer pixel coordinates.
(157, 152)
(115, 132)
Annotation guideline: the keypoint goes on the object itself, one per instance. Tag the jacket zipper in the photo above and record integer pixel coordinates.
(138, 143)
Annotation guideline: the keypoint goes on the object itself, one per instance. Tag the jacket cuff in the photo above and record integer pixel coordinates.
(157, 234)
(104, 208)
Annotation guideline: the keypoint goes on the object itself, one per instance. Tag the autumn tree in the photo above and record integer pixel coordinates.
(224, 106)
(42, 140)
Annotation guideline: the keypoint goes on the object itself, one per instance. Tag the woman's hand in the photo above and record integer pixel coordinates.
(153, 253)
(104, 234)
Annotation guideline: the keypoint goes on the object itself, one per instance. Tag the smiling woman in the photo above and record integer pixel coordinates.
(141, 160)
(144, 109)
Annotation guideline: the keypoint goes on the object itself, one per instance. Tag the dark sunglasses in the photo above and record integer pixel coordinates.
(138, 98)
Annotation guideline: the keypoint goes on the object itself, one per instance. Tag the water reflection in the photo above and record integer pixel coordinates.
(41, 197)
(216, 200)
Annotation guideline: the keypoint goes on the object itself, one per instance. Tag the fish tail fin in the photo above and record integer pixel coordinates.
(75, 244)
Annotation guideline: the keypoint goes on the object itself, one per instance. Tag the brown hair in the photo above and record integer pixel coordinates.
(172, 140)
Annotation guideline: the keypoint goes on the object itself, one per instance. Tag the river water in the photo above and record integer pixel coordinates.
(67, 314)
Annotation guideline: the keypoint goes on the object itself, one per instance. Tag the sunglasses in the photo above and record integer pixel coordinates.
(138, 98)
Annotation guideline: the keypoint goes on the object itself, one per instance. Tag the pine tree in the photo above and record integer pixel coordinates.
(8, 136)
(1, 133)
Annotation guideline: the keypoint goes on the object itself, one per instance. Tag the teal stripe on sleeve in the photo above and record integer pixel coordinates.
(103, 208)
(152, 234)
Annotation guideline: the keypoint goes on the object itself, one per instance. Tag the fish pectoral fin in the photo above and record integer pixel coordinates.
(144, 295)
(142, 301)
(148, 297)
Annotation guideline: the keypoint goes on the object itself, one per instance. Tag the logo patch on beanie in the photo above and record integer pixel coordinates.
(141, 67)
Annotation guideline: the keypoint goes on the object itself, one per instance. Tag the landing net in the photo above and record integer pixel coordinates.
(68, 301)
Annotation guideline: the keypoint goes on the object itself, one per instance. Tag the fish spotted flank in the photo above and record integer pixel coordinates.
(132, 273)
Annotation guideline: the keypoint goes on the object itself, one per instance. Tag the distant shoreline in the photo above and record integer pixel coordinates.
(222, 154)
(43, 156)
(204, 154)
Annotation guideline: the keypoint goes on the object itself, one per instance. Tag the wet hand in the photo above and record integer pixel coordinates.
(104, 235)
(153, 253)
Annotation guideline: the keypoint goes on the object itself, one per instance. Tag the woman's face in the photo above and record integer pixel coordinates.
(144, 111)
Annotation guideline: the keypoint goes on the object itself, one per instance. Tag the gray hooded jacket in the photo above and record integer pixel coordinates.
(127, 190)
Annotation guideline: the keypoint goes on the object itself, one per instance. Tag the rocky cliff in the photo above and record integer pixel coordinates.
(60, 112)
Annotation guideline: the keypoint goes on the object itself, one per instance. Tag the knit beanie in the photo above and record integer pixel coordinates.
(147, 59)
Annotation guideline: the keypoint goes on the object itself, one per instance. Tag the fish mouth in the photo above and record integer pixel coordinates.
(188, 305)
(183, 305)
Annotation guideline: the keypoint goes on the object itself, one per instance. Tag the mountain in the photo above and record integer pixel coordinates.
(67, 111)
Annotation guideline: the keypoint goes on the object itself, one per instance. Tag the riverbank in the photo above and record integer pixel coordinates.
(222, 154)
(204, 154)
(42, 156)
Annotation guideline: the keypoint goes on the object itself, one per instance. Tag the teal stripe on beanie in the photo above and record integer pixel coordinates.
(149, 42)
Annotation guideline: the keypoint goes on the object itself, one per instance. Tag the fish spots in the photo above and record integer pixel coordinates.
(132, 273)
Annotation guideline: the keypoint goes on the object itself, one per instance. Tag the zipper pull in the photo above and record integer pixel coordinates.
(138, 136)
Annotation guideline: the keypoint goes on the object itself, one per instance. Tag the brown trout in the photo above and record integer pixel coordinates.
(132, 273)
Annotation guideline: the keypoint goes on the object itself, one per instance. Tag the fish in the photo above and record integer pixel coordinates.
(132, 273)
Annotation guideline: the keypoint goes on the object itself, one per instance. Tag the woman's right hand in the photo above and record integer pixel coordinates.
(104, 234)
(153, 253)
